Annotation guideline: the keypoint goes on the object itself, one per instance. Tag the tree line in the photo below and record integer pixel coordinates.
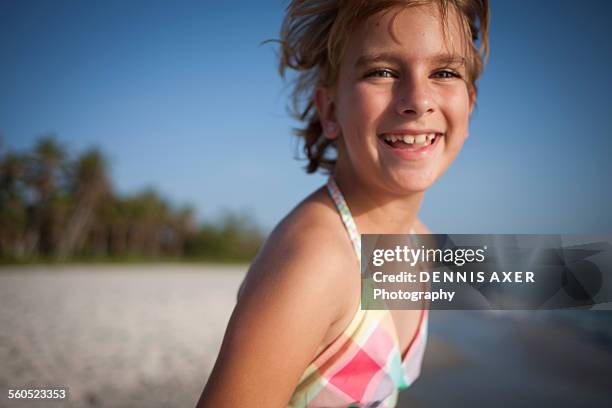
(57, 208)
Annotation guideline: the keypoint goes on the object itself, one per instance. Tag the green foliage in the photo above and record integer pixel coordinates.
(56, 209)
(235, 237)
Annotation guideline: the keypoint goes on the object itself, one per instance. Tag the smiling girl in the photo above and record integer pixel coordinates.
(388, 86)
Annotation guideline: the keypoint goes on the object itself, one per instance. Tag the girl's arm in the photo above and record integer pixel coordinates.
(287, 304)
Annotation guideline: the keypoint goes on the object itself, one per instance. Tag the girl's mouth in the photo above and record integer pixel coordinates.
(411, 147)
(411, 142)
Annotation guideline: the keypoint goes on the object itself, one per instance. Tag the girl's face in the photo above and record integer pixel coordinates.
(401, 80)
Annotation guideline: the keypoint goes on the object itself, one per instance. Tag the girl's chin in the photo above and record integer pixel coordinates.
(415, 188)
(414, 179)
(408, 185)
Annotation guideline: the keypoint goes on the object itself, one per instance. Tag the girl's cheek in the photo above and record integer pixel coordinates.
(365, 105)
(378, 103)
(458, 110)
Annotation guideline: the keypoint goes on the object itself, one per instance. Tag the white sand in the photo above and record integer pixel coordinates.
(144, 336)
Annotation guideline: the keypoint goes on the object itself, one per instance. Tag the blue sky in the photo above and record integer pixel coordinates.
(182, 97)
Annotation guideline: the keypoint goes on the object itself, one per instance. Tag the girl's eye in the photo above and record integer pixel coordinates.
(446, 74)
(380, 73)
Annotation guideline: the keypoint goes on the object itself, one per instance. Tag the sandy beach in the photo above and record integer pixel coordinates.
(148, 336)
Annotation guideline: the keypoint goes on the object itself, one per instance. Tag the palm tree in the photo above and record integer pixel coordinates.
(182, 227)
(13, 211)
(50, 205)
(88, 188)
(46, 174)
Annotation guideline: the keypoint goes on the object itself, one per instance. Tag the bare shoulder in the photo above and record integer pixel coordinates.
(308, 250)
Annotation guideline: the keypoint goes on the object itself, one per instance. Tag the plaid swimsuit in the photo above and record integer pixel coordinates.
(363, 367)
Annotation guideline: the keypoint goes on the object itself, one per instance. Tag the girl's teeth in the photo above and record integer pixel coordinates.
(421, 140)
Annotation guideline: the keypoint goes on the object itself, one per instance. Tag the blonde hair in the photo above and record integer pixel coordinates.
(314, 34)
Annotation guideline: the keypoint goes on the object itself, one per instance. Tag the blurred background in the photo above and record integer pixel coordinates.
(146, 152)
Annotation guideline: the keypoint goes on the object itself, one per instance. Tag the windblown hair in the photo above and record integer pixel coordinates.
(313, 37)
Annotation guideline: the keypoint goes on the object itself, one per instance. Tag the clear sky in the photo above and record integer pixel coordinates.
(182, 97)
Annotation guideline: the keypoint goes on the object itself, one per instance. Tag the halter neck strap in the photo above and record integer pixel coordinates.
(347, 218)
(345, 214)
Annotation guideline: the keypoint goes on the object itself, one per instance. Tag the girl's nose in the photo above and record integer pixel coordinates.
(414, 99)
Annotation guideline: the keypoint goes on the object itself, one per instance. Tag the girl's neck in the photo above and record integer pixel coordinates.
(375, 210)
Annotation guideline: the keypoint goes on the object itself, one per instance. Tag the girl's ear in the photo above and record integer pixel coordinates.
(326, 108)
(472, 100)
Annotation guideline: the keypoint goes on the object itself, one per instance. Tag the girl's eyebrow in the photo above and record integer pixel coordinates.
(437, 59)
(448, 59)
(378, 57)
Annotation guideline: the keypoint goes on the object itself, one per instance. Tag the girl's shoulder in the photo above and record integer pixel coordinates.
(308, 250)
(315, 215)
(313, 227)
